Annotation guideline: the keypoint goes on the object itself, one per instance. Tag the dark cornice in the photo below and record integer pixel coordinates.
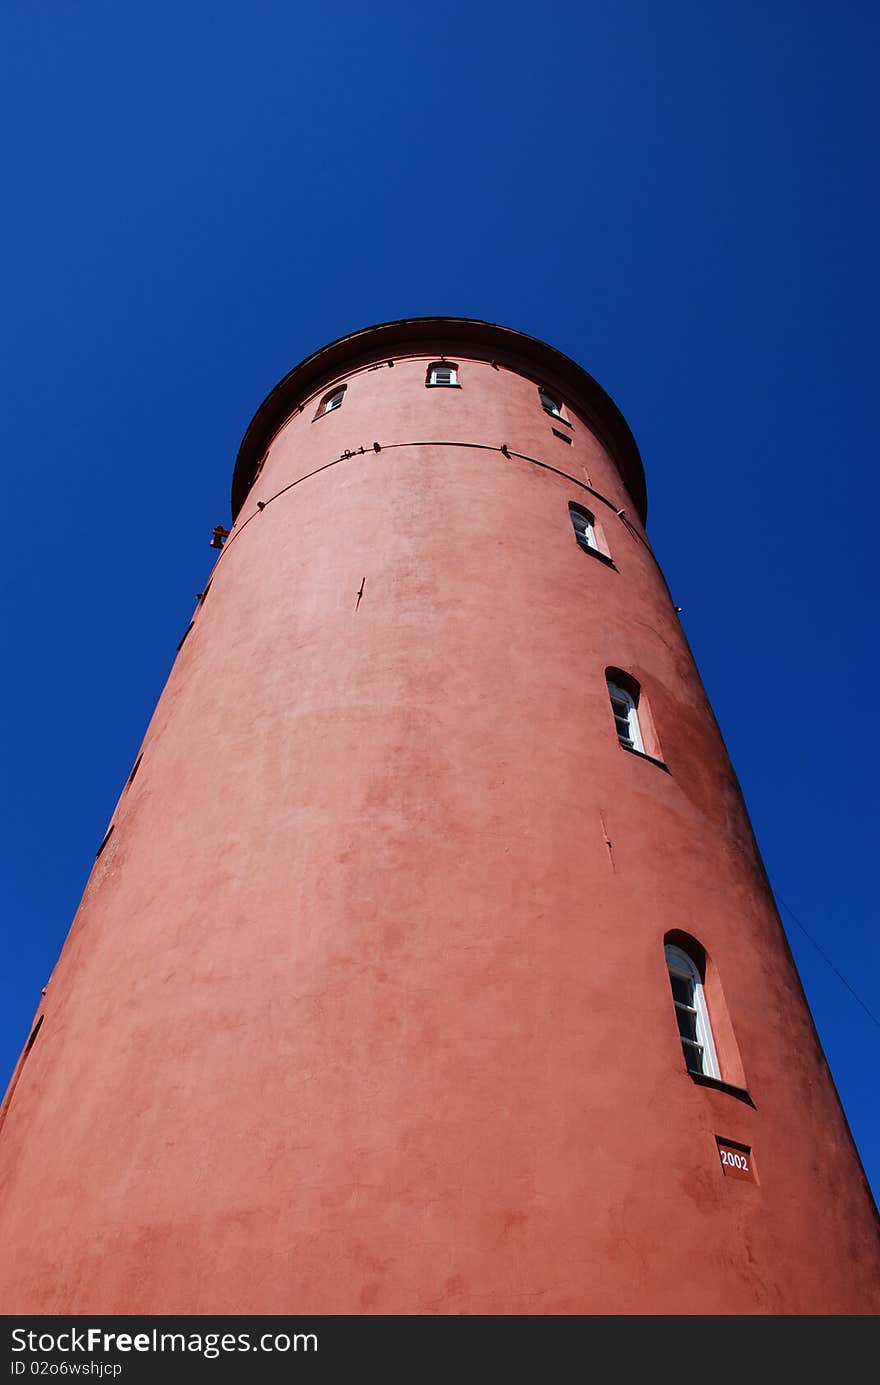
(444, 336)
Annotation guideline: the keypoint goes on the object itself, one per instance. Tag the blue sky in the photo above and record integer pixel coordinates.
(682, 198)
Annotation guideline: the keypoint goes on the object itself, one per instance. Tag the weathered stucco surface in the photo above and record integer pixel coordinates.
(365, 1008)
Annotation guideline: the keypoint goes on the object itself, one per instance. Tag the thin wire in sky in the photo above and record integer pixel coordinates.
(824, 955)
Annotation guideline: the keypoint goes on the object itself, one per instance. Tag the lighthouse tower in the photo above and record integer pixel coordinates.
(429, 965)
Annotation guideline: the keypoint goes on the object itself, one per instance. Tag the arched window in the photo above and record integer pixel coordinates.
(584, 525)
(550, 403)
(626, 717)
(331, 401)
(689, 1000)
(442, 373)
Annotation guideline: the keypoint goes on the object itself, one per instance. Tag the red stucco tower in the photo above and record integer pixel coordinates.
(430, 966)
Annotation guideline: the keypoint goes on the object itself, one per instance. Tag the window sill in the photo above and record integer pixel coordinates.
(557, 418)
(436, 385)
(603, 558)
(700, 1079)
(326, 413)
(643, 755)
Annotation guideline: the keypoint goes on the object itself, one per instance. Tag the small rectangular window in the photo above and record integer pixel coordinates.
(693, 1056)
(691, 1014)
(331, 401)
(582, 523)
(626, 718)
(687, 1024)
(442, 373)
(682, 989)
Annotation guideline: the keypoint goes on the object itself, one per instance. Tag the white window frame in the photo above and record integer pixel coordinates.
(678, 963)
(451, 370)
(634, 731)
(588, 532)
(549, 404)
(333, 400)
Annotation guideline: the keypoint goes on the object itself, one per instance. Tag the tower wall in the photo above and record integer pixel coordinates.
(365, 1007)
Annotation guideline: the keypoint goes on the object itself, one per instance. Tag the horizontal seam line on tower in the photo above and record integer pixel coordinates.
(479, 446)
